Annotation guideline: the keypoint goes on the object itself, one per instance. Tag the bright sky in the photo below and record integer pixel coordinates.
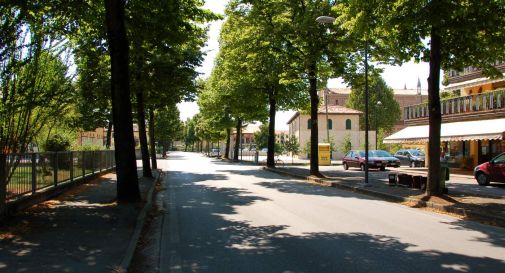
(396, 77)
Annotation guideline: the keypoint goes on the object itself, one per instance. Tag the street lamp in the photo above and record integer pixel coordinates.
(331, 20)
(379, 103)
(327, 123)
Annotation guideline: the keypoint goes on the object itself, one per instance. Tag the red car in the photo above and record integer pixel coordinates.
(377, 159)
(491, 171)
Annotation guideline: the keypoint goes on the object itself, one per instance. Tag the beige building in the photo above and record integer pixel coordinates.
(404, 97)
(342, 122)
(97, 137)
(281, 136)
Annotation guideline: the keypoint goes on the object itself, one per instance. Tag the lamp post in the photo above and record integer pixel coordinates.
(379, 103)
(331, 20)
(327, 123)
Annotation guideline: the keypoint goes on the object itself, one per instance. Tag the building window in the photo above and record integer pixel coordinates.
(336, 102)
(348, 124)
(330, 124)
(309, 124)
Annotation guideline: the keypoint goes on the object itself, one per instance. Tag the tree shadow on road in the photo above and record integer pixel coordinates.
(215, 241)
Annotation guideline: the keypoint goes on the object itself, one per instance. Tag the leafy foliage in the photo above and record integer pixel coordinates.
(345, 144)
(385, 115)
(168, 127)
(57, 143)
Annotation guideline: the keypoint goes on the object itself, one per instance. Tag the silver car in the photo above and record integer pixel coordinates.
(410, 157)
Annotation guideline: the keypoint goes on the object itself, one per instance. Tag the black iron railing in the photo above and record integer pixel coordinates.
(475, 103)
(28, 173)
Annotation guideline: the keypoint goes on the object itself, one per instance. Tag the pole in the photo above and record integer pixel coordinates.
(379, 103)
(376, 131)
(240, 143)
(366, 112)
(327, 124)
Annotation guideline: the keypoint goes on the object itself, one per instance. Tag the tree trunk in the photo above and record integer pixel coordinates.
(154, 162)
(227, 148)
(435, 116)
(109, 135)
(126, 165)
(271, 129)
(237, 139)
(141, 118)
(314, 139)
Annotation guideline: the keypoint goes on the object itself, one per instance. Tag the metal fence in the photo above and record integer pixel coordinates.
(246, 155)
(35, 171)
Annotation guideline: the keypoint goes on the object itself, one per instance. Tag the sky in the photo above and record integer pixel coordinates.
(397, 77)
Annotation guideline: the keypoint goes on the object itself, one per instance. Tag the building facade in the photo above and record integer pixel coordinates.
(473, 123)
(342, 122)
(404, 97)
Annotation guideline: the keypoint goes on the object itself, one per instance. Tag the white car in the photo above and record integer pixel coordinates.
(214, 152)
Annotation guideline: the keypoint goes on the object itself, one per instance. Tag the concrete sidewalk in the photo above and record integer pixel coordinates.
(490, 210)
(83, 230)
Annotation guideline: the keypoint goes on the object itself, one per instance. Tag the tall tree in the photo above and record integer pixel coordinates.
(462, 33)
(166, 57)
(388, 114)
(126, 165)
(251, 32)
(35, 88)
(313, 56)
(168, 127)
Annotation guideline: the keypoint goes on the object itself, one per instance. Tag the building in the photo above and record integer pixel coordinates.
(342, 122)
(470, 81)
(404, 97)
(281, 136)
(473, 123)
(95, 138)
(247, 136)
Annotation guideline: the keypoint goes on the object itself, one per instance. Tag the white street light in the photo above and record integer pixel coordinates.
(325, 19)
(379, 103)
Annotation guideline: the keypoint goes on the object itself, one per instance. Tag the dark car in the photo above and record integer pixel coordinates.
(410, 157)
(215, 152)
(491, 171)
(377, 159)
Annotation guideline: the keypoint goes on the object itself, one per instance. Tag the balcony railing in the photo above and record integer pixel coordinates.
(475, 103)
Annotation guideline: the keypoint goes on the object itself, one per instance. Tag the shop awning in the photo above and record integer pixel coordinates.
(454, 131)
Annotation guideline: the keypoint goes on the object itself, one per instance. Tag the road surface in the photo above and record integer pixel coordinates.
(222, 217)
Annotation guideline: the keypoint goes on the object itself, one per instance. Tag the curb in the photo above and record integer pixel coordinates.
(469, 214)
(132, 245)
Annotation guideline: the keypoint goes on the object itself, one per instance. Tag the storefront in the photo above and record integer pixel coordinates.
(463, 144)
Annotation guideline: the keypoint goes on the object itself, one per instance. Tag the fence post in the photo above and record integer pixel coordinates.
(3, 185)
(34, 173)
(83, 164)
(93, 162)
(55, 168)
(71, 166)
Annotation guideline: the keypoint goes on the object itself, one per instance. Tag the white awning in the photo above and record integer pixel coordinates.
(454, 131)
(471, 83)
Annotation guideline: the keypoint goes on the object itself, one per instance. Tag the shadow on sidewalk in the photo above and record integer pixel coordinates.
(83, 230)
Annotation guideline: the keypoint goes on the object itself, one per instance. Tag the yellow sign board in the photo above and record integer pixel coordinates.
(324, 154)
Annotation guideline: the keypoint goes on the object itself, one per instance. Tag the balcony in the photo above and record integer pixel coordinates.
(467, 107)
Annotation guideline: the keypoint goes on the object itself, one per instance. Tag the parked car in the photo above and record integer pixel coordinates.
(491, 171)
(377, 159)
(410, 157)
(214, 152)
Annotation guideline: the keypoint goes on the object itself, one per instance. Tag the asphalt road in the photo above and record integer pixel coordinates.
(222, 217)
